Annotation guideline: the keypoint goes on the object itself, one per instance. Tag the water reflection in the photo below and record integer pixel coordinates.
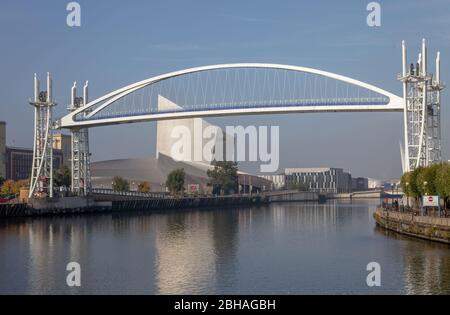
(185, 254)
(282, 248)
(427, 264)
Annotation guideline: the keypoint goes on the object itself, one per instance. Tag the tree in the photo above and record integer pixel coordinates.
(144, 187)
(425, 180)
(175, 181)
(431, 180)
(120, 184)
(62, 177)
(2, 180)
(8, 187)
(224, 177)
(443, 182)
(415, 187)
(406, 182)
(11, 187)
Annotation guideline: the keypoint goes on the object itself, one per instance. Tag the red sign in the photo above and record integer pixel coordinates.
(430, 199)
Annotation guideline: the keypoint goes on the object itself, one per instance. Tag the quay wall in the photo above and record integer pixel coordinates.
(113, 203)
(76, 205)
(189, 202)
(428, 228)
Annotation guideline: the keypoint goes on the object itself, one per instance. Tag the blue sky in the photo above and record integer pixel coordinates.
(121, 42)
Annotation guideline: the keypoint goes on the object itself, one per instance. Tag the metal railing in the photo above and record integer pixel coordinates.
(243, 105)
(426, 212)
(165, 195)
(111, 192)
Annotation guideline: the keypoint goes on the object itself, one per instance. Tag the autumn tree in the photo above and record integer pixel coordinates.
(144, 187)
(11, 187)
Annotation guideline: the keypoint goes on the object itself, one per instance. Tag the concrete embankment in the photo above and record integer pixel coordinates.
(185, 203)
(123, 203)
(14, 210)
(429, 228)
(27, 210)
(76, 205)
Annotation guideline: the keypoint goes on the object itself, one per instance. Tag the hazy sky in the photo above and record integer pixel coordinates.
(121, 42)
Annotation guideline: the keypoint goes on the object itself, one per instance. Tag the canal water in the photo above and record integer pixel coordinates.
(284, 248)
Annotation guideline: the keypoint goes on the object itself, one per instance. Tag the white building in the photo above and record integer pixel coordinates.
(189, 140)
(179, 144)
(375, 183)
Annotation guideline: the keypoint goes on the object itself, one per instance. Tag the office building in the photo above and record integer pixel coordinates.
(323, 180)
(360, 184)
(63, 143)
(16, 163)
(19, 162)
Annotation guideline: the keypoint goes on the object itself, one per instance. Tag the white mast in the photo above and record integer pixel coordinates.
(41, 183)
(405, 156)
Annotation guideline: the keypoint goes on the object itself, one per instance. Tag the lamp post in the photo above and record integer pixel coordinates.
(396, 187)
(425, 183)
(407, 195)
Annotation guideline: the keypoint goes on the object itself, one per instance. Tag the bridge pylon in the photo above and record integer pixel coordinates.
(81, 176)
(422, 112)
(41, 183)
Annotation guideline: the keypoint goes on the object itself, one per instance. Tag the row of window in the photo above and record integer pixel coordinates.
(19, 163)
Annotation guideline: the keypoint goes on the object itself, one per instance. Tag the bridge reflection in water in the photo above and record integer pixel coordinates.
(281, 248)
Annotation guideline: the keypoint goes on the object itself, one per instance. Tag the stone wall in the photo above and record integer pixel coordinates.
(61, 203)
(429, 228)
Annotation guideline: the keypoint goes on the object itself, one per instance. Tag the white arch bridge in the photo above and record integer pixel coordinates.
(233, 89)
(242, 89)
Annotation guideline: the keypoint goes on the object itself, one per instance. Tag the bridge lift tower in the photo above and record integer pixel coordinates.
(422, 114)
(81, 176)
(41, 184)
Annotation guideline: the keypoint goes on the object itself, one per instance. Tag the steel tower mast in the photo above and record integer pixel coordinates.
(41, 184)
(81, 176)
(422, 113)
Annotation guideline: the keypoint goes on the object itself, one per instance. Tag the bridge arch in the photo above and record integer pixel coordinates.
(89, 112)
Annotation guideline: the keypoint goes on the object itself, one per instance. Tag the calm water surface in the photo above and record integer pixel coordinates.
(285, 248)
